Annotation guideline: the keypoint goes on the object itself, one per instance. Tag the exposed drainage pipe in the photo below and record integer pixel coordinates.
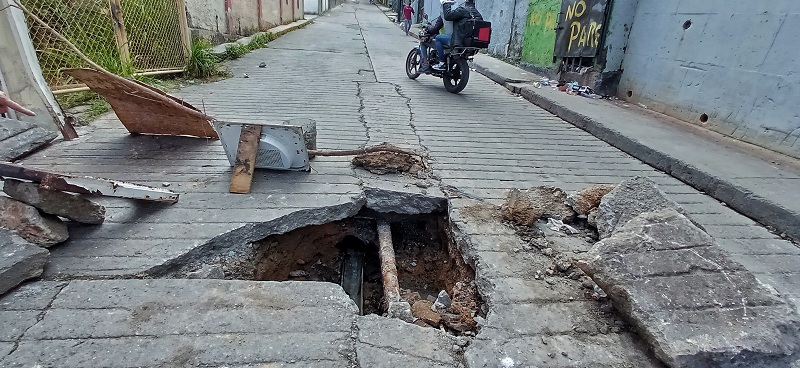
(391, 286)
(396, 307)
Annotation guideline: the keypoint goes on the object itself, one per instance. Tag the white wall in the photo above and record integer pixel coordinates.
(738, 64)
(21, 74)
(311, 6)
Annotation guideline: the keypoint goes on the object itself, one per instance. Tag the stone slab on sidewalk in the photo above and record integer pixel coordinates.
(18, 138)
(19, 260)
(695, 306)
(179, 323)
(756, 182)
(209, 323)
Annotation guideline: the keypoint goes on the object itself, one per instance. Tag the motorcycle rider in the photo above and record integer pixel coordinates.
(459, 17)
(431, 29)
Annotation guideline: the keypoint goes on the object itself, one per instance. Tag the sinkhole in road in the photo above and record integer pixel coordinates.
(352, 253)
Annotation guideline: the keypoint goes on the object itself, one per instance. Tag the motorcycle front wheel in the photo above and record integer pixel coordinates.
(412, 63)
(457, 77)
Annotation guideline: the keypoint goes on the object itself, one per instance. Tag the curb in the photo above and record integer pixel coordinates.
(740, 199)
(245, 40)
(499, 79)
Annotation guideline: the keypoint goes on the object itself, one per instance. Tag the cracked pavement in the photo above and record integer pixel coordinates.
(346, 72)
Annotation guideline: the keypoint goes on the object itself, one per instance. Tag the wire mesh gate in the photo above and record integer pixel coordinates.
(123, 36)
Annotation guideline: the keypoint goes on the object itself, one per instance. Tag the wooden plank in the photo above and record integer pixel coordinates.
(245, 159)
(144, 109)
(120, 35)
(183, 25)
(87, 185)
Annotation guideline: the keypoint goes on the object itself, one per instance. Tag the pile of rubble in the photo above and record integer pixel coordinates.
(456, 314)
(31, 221)
(694, 305)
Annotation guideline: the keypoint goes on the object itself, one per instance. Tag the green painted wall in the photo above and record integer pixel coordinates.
(540, 34)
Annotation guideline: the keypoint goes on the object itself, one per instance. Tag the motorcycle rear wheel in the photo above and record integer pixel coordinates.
(455, 79)
(412, 63)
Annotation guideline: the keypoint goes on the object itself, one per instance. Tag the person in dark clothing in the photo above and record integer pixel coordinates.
(431, 29)
(461, 27)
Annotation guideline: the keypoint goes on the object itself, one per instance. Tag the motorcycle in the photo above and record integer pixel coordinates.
(456, 72)
(455, 75)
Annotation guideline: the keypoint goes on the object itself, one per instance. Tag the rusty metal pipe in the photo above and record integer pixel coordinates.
(391, 286)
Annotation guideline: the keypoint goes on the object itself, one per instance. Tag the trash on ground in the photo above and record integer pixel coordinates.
(87, 185)
(558, 225)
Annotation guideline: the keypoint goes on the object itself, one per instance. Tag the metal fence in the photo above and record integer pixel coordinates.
(123, 36)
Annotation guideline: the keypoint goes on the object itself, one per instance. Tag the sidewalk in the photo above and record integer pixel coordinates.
(756, 182)
(277, 31)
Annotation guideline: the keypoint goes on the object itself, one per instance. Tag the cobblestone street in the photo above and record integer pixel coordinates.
(114, 295)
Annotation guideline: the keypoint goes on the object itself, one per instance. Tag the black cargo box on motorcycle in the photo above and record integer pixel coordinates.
(481, 34)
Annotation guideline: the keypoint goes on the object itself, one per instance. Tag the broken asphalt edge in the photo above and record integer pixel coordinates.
(240, 238)
(740, 199)
(236, 243)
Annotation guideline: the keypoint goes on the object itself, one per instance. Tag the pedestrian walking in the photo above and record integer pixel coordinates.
(407, 12)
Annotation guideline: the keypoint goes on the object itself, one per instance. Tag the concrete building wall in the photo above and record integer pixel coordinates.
(730, 66)
(311, 7)
(270, 13)
(540, 34)
(243, 17)
(301, 6)
(207, 15)
(286, 10)
(618, 30)
(509, 18)
(20, 74)
(209, 18)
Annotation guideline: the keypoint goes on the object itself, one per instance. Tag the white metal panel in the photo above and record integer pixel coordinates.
(280, 147)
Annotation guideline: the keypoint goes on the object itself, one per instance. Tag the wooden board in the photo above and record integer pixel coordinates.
(144, 109)
(245, 159)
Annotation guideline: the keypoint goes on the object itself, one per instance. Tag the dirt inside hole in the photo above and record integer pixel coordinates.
(427, 261)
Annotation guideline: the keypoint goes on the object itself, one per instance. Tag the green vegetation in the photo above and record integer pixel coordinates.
(70, 100)
(235, 51)
(202, 61)
(96, 108)
(260, 41)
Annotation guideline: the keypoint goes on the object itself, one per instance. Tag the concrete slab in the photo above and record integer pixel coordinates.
(20, 260)
(694, 305)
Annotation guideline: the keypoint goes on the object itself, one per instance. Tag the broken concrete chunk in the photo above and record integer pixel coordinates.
(400, 310)
(591, 217)
(442, 301)
(422, 309)
(695, 306)
(524, 208)
(19, 260)
(629, 199)
(28, 223)
(207, 271)
(458, 318)
(582, 202)
(71, 206)
(298, 274)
